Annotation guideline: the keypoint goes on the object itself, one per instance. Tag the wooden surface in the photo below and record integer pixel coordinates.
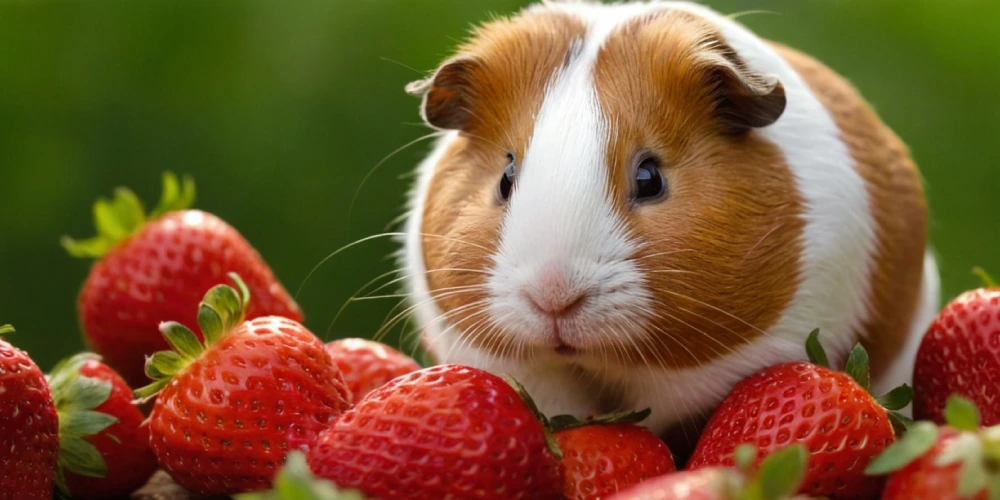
(161, 487)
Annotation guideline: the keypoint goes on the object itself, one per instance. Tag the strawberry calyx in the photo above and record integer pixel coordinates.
(294, 481)
(779, 475)
(550, 440)
(976, 449)
(123, 215)
(985, 277)
(5, 329)
(220, 312)
(76, 397)
(560, 423)
(857, 367)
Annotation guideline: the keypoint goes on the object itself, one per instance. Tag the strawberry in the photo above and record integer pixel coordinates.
(830, 412)
(156, 268)
(957, 461)
(103, 446)
(448, 431)
(29, 426)
(230, 408)
(607, 454)
(778, 477)
(960, 354)
(368, 365)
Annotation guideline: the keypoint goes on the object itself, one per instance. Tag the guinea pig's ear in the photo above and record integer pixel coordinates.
(446, 95)
(745, 99)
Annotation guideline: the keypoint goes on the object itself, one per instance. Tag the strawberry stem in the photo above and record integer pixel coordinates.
(123, 215)
(987, 280)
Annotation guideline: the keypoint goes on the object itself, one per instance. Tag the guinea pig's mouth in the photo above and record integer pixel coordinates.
(566, 350)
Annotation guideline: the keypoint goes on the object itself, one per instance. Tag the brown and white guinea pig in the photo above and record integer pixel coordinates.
(639, 204)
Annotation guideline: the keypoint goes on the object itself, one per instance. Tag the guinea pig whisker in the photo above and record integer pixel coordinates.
(705, 335)
(692, 299)
(441, 294)
(357, 192)
(671, 337)
(373, 237)
(388, 323)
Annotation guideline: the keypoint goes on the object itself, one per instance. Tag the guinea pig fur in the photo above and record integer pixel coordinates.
(637, 205)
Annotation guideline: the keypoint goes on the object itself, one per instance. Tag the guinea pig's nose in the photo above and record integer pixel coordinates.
(551, 294)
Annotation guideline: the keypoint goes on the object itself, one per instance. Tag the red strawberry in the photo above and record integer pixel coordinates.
(104, 446)
(832, 413)
(231, 408)
(960, 354)
(958, 461)
(778, 477)
(444, 432)
(608, 454)
(368, 365)
(29, 440)
(156, 268)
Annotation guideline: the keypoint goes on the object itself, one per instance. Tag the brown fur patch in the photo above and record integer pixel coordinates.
(514, 60)
(722, 251)
(896, 197)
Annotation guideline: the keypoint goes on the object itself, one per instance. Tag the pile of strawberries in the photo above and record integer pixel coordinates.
(202, 368)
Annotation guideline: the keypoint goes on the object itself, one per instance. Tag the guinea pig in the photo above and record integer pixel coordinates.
(637, 205)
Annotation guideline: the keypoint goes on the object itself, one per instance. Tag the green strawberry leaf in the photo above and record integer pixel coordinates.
(163, 364)
(176, 195)
(182, 340)
(987, 280)
(961, 414)
(744, 457)
(296, 482)
(917, 441)
(780, 474)
(222, 310)
(244, 290)
(123, 215)
(817, 355)
(146, 393)
(896, 399)
(901, 424)
(117, 219)
(84, 423)
(857, 367)
(994, 487)
(210, 322)
(972, 479)
(80, 457)
(5, 329)
(566, 422)
(80, 393)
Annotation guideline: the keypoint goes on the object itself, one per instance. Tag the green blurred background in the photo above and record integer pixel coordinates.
(280, 108)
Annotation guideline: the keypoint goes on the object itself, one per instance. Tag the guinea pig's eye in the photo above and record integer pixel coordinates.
(507, 180)
(649, 183)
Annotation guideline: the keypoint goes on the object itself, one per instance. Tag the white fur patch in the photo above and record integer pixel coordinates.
(560, 214)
